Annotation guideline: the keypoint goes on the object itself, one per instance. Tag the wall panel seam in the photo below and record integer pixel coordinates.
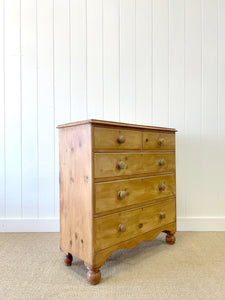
(37, 86)
(168, 75)
(218, 99)
(21, 116)
(86, 40)
(103, 89)
(135, 62)
(53, 90)
(70, 87)
(4, 113)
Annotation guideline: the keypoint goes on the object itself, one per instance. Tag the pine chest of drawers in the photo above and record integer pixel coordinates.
(117, 189)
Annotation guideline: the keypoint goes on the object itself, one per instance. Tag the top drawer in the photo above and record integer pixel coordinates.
(107, 138)
(158, 141)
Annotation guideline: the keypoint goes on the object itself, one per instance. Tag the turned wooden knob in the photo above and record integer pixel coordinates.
(122, 195)
(122, 228)
(161, 142)
(162, 186)
(121, 139)
(121, 165)
(161, 162)
(162, 215)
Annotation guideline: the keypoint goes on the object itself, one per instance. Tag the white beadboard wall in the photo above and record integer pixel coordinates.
(155, 62)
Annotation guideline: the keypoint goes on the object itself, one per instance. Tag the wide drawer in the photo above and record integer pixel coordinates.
(124, 164)
(118, 194)
(158, 141)
(107, 138)
(118, 227)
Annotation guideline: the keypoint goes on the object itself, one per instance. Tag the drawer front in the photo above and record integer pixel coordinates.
(118, 227)
(107, 138)
(158, 141)
(118, 194)
(124, 164)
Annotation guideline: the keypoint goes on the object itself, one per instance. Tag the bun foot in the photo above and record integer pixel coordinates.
(68, 259)
(93, 275)
(170, 238)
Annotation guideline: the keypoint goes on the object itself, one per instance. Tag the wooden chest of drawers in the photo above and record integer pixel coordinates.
(117, 189)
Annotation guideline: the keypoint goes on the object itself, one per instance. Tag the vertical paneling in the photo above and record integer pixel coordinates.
(95, 59)
(144, 61)
(210, 103)
(111, 52)
(193, 105)
(2, 110)
(127, 60)
(45, 112)
(78, 53)
(62, 80)
(12, 109)
(160, 62)
(221, 104)
(29, 108)
(156, 62)
(177, 89)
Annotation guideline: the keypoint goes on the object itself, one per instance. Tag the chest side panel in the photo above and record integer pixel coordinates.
(75, 157)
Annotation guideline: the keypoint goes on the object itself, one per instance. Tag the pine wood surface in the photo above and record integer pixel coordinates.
(76, 192)
(107, 138)
(158, 141)
(136, 221)
(103, 123)
(136, 192)
(117, 189)
(106, 164)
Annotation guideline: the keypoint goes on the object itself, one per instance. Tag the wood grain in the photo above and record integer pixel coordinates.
(102, 255)
(106, 227)
(76, 192)
(106, 165)
(107, 138)
(116, 199)
(159, 141)
(137, 191)
(117, 124)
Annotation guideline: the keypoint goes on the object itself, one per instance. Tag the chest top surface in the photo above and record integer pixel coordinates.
(116, 124)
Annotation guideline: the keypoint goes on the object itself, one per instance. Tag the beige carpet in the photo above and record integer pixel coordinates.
(31, 267)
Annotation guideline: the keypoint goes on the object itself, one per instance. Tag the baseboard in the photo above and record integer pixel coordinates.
(52, 224)
(201, 224)
(29, 225)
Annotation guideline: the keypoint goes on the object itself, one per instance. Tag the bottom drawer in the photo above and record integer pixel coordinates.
(118, 227)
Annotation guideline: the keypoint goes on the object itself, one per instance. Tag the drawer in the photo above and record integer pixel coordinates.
(118, 194)
(158, 141)
(124, 164)
(107, 138)
(118, 227)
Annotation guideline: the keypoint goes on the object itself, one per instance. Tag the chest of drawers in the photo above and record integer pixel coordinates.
(117, 189)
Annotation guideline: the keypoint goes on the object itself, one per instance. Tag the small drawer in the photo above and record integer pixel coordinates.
(158, 141)
(126, 164)
(118, 227)
(121, 193)
(107, 138)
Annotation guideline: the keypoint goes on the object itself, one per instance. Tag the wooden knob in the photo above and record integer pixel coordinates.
(161, 162)
(162, 186)
(162, 215)
(121, 165)
(122, 195)
(122, 228)
(161, 142)
(121, 139)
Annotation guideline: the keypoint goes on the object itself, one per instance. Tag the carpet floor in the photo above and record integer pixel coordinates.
(31, 267)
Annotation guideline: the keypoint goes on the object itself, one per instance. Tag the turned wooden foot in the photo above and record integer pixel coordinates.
(170, 238)
(93, 274)
(68, 259)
